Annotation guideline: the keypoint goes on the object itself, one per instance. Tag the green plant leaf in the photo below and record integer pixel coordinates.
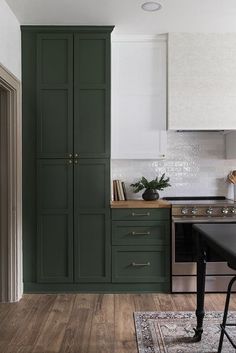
(155, 184)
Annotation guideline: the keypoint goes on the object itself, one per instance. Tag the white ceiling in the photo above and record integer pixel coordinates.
(128, 17)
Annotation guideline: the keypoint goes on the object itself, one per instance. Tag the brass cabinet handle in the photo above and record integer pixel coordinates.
(134, 264)
(140, 214)
(137, 233)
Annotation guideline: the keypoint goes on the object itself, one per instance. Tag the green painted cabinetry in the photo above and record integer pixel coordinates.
(66, 155)
(92, 221)
(92, 95)
(140, 264)
(54, 221)
(54, 86)
(141, 247)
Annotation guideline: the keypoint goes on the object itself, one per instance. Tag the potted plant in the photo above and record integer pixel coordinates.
(151, 187)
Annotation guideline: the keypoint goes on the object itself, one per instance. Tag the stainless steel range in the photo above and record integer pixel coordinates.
(185, 212)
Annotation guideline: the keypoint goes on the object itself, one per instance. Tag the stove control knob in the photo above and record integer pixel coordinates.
(233, 210)
(225, 210)
(184, 211)
(209, 211)
(194, 211)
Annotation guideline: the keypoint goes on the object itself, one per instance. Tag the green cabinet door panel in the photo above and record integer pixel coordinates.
(54, 95)
(90, 124)
(140, 232)
(55, 252)
(92, 220)
(92, 95)
(54, 58)
(140, 264)
(55, 221)
(92, 247)
(55, 185)
(54, 124)
(91, 185)
(91, 53)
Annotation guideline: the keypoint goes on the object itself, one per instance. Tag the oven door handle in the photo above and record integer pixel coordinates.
(185, 220)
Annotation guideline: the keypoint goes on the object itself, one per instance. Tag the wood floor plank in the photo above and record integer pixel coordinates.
(52, 334)
(182, 305)
(103, 328)
(4, 310)
(125, 339)
(15, 348)
(78, 331)
(16, 318)
(37, 317)
(164, 302)
(144, 302)
(232, 302)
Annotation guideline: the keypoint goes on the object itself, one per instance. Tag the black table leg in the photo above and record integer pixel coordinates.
(201, 272)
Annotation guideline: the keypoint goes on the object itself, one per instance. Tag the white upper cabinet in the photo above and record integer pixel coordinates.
(138, 97)
(201, 81)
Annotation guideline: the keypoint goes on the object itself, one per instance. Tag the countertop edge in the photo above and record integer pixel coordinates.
(140, 204)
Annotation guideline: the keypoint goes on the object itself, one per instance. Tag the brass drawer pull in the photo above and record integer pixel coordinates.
(137, 265)
(140, 214)
(136, 233)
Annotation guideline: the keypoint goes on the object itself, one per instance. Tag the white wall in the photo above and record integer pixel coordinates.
(10, 40)
(195, 163)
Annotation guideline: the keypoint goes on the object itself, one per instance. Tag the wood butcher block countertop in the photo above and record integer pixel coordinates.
(140, 204)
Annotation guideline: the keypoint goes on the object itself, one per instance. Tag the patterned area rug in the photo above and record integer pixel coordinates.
(172, 332)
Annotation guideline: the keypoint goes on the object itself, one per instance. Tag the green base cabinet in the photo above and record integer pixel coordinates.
(141, 247)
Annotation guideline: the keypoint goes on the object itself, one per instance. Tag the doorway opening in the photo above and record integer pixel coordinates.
(11, 286)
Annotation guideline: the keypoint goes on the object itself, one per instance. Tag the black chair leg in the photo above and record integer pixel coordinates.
(225, 314)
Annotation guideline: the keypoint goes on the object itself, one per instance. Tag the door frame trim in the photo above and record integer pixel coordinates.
(11, 239)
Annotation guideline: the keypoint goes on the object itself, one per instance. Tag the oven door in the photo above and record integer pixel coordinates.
(184, 254)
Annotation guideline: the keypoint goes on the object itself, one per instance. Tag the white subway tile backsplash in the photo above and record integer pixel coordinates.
(195, 163)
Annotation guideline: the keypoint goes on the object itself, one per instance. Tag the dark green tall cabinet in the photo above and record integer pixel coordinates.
(66, 156)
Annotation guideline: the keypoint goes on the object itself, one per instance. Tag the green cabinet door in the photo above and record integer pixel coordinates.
(92, 95)
(92, 221)
(55, 221)
(54, 95)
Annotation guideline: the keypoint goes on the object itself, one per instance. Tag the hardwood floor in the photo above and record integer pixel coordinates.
(85, 323)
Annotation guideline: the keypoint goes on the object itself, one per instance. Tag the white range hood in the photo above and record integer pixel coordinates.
(201, 81)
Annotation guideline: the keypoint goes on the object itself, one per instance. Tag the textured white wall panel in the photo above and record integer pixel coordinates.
(195, 163)
(202, 81)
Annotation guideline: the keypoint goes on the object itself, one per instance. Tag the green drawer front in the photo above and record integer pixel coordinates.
(140, 233)
(140, 264)
(140, 214)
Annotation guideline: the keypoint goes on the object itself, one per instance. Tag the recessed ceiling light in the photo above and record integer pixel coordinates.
(151, 6)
